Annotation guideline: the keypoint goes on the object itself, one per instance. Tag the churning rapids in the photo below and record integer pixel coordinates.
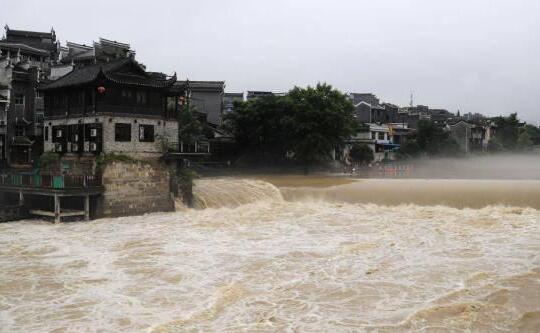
(305, 256)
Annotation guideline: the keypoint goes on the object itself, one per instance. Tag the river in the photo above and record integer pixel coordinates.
(287, 255)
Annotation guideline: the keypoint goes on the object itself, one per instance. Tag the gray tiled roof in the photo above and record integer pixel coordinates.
(90, 73)
(25, 33)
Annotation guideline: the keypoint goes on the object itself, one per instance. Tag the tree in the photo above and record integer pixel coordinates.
(323, 119)
(307, 123)
(409, 149)
(494, 145)
(524, 140)
(262, 125)
(191, 125)
(361, 153)
(534, 133)
(507, 131)
(431, 140)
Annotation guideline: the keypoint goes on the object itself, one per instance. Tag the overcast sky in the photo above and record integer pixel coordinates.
(472, 55)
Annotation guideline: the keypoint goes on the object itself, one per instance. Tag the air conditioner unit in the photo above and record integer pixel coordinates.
(93, 146)
(74, 147)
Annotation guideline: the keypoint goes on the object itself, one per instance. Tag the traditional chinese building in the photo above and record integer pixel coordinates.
(115, 107)
(26, 58)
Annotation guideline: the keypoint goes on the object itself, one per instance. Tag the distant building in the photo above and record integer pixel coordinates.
(367, 108)
(206, 98)
(414, 114)
(26, 58)
(470, 137)
(442, 116)
(383, 139)
(256, 94)
(229, 99)
(99, 52)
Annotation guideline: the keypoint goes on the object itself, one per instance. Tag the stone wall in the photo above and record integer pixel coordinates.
(135, 188)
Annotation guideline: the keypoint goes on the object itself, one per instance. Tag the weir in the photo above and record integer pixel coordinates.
(456, 193)
(232, 192)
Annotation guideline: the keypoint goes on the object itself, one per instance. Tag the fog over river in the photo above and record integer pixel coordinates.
(310, 255)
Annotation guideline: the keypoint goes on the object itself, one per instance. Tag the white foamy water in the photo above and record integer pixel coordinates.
(276, 266)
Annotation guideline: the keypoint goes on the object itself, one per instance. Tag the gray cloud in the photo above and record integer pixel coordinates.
(472, 55)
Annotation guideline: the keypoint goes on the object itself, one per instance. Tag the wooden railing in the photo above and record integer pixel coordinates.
(49, 181)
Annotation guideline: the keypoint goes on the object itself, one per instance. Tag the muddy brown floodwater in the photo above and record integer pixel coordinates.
(312, 256)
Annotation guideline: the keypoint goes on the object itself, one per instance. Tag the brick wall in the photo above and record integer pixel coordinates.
(134, 189)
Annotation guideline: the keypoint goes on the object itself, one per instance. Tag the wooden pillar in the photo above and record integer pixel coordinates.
(21, 198)
(87, 208)
(56, 209)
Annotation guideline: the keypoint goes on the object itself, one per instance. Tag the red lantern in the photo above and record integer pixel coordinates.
(101, 89)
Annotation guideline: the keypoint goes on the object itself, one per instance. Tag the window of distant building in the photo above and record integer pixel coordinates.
(127, 94)
(373, 135)
(46, 133)
(19, 99)
(39, 116)
(381, 136)
(122, 132)
(146, 133)
(141, 97)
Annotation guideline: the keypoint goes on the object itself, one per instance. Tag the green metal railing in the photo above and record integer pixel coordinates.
(49, 181)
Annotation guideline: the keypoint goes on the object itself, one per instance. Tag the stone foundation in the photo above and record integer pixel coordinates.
(135, 188)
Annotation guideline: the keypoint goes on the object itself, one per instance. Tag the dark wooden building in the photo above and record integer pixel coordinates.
(111, 107)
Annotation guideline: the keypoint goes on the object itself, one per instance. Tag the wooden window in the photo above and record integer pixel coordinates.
(122, 132)
(146, 133)
(141, 97)
(127, 93)
(19, 99)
